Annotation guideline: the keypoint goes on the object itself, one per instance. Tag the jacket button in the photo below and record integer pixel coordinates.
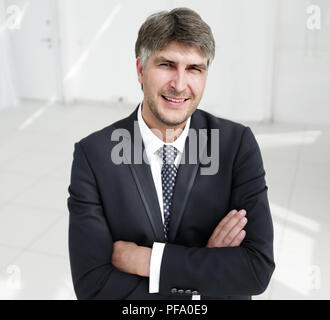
(174, 290)
(195, 292)
(180, 291)
(188, 291)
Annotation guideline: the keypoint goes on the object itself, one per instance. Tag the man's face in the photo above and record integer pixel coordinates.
(173, 84)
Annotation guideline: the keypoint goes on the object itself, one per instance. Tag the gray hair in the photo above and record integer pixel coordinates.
(180, 24)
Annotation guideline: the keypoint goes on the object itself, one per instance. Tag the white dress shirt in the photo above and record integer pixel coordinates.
(152, 143)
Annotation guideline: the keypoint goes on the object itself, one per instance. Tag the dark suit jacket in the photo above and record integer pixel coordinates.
(110, 202)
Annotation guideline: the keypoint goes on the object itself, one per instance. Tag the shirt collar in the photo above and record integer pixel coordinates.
(152, 143)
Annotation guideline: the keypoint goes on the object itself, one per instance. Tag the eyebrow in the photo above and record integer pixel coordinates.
(163, 59)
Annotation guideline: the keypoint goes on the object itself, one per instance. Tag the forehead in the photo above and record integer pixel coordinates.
(181, 53)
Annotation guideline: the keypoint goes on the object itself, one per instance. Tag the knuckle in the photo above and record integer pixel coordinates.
(223, 222)
(217, 229)
(227, 240)
(237, 219)
(226, 228)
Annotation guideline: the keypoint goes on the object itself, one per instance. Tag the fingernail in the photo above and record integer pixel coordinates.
(242, 212)
(233, 212)
(243, 220)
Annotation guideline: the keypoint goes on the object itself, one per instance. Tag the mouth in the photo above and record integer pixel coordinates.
(174, 101)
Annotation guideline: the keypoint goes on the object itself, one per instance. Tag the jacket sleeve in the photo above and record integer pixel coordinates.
(242, 270)
(90, 240)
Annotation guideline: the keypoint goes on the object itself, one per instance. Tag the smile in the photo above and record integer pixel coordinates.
(174, 100)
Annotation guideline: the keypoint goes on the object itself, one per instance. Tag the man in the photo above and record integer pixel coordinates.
(169, 227)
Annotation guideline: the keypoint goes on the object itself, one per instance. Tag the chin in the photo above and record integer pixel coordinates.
(173, 121)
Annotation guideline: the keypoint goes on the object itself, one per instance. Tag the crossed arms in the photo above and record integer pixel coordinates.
(131, 258)
(234, 261)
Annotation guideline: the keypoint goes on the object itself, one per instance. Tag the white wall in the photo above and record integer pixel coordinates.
(8, 90)
(98, 47)
(268, 65)
(302, 79)
(239, 85)
(101, 62)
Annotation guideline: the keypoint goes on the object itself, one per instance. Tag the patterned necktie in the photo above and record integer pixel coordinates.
(168, 154)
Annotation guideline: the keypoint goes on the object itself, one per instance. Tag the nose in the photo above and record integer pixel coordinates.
(179, 81)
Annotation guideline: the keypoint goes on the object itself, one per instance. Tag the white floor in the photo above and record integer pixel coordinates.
(36, 145)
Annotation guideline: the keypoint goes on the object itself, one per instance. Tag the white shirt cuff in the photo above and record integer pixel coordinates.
(155, 264)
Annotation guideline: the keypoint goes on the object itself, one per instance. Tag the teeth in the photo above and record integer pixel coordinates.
(174, 100)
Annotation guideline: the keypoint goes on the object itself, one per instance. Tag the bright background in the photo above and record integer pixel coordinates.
(67, 68)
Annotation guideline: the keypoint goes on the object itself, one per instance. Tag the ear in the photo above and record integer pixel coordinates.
(139, 69)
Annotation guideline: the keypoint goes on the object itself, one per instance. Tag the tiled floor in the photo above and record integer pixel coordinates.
(36, 145)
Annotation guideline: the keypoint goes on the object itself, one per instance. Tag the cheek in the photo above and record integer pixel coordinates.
(158, 76)
(197, 87)
(157, 82)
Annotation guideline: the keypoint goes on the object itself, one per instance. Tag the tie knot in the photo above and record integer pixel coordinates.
(168, 154)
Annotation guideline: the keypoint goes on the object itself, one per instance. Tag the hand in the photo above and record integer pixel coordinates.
(131, 258)
(229, 232)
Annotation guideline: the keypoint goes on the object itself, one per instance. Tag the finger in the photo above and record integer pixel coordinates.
(226, 219)
(227, 228)
(218, 235)
(235, 231)
(238, 239)
(222, 223)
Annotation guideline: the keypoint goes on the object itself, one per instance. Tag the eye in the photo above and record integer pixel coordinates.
(166, 64)
(195, 69)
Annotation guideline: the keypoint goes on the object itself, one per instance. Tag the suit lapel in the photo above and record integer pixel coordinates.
(186, 174)
(143, 179)
(142, 176)
(145, 184)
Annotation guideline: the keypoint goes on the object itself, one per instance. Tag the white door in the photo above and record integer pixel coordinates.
(35, 48)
